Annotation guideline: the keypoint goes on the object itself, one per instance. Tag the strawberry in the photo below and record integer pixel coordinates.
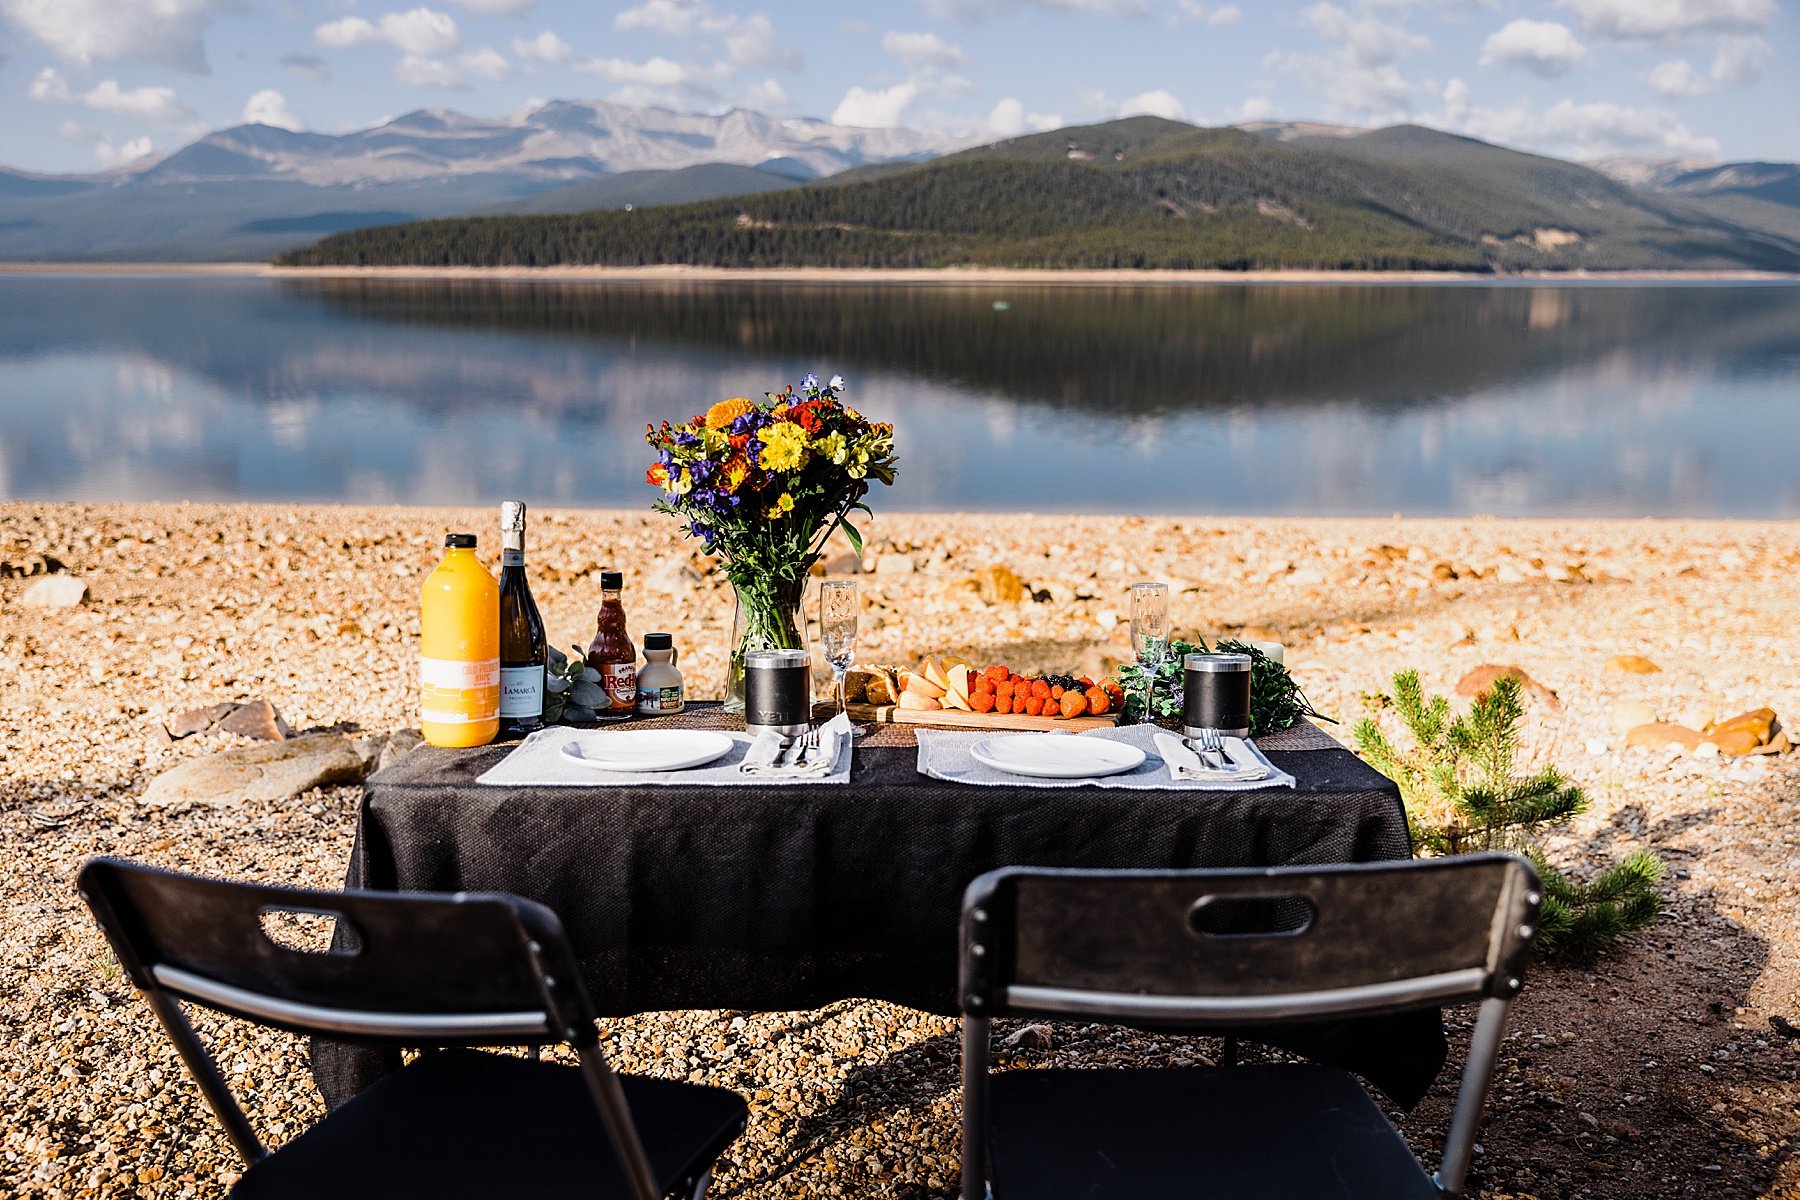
(982, 702)
(1034, 705)
(1098, 701)
(1073, 703)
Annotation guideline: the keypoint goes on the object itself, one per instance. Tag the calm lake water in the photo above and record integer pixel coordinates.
(1448, 399)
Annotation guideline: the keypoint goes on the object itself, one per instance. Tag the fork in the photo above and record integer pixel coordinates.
(1211, 746)
(803, 745)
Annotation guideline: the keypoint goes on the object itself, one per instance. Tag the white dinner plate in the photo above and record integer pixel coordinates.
(646, 749)
(1056, 755)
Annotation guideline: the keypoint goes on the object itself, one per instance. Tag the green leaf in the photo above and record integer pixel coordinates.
(853, 536)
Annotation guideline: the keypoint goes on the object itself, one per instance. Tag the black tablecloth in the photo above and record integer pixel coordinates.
(774, 898)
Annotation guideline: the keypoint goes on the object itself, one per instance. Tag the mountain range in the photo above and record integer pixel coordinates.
(253, 190)
(1300, 191)
(1145, 192)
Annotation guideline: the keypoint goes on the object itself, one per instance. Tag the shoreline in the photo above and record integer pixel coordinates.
(961, 276)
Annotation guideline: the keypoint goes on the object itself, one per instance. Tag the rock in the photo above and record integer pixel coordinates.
(253, 719)
(1707, 750)
(999, 585)
(1028, 1037)
(1443, 572)
(199, 720)
(673, 575)
(1630, 664)
(895, 564)
(1734, 742)
(1629, 714)
(1659, 733)
(1482, 678)
(1760, 724)
(401, 741)
(1106, 618)
(55, 591)
(256, 719)
(1307, 577)
(1596, 746)
(1778, 744)
(844, 564)
(1509, 574)
(270, 772)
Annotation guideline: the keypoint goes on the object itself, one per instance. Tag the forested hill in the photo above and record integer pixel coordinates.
(1137, 193)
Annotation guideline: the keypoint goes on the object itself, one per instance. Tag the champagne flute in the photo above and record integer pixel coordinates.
(837, 630)
(1150, 635)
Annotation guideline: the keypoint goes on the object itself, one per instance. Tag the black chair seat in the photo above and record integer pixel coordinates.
(1296, 1132)
(464, 1123)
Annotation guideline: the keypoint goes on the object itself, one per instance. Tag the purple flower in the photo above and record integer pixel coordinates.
(750, 422)
(809, 382)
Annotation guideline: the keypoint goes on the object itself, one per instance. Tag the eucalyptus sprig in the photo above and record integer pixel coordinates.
(1276, 701)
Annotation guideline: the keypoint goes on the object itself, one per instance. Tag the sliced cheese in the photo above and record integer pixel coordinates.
(956, 695)
(918, 703)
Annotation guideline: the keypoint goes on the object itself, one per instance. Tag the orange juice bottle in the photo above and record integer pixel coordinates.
(459, 655)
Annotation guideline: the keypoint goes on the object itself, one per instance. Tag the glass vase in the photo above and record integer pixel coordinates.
(770, 616)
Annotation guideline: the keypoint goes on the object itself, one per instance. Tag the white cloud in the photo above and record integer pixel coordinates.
(676, 18)
(1658, 20)
(488, 63)
(142, 103)
(1225, 14)
(1677, 77)
(874, 109)
(307, 66)
(164, 32)
(1158, 103)
(270, 107)
(495, 8)
(421, 32)
(922, 49)
(742, 42)
(765, 96)
(656, 72)
(1256, 108)
(415, 70)
(346, 31)
(1366, 40)
(546, 47)
(1358, 76)
(1545, 48)
(1740, 59)
(1591, 130)
(145, 103)
(1009, 119)
(976, 10)
(112, 156)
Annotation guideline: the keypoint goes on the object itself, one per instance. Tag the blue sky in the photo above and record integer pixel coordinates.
(91, 83)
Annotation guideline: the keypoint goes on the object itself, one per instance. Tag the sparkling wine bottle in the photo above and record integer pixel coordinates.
(524, 650)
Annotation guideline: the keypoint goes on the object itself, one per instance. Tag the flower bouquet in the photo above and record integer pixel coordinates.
(764, 485)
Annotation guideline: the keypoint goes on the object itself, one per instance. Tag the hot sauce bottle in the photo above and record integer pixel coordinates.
(612, 653)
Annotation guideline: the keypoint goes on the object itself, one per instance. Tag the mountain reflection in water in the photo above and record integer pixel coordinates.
(1506, 399)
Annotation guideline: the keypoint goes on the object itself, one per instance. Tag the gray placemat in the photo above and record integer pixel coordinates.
(538, 762)
(944, 754)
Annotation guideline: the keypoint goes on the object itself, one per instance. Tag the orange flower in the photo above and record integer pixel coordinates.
(657, 476)
(722, 414)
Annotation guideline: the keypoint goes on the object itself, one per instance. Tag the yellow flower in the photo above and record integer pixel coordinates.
(714, 442)
(682, 484)
(725, 412)
(781, 507)
(737, 469)
(832, 446)
(784, 447)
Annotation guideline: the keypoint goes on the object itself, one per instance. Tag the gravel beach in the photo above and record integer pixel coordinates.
(1664, 1069)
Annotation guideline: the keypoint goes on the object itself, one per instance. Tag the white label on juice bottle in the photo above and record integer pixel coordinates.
(457, 692)
(521, 691)
(620, 682)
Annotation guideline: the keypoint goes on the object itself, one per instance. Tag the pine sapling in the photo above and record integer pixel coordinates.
(1460, 780)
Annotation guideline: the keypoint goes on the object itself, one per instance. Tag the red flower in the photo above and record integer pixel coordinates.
(657, 476)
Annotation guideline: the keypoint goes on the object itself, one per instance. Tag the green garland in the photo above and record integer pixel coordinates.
(1276, 701)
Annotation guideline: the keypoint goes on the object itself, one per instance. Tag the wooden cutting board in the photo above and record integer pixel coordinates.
(887, 714)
